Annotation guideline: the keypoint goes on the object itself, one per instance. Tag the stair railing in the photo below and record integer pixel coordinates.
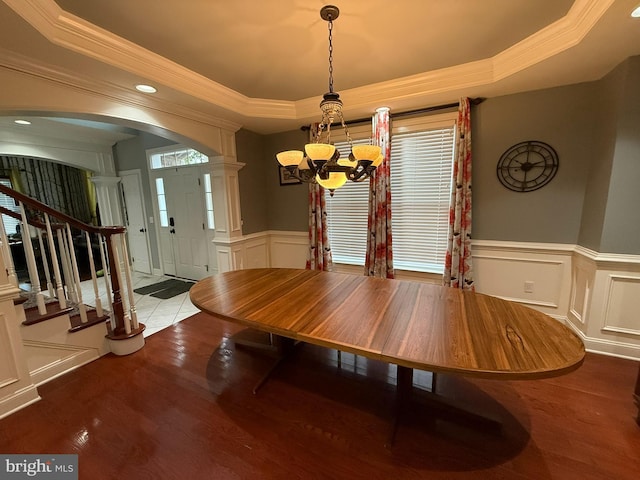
(63, 283)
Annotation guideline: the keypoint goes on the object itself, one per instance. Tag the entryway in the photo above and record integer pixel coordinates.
(182, 222)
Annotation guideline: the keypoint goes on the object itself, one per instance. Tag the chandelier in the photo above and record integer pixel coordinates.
(320, 162)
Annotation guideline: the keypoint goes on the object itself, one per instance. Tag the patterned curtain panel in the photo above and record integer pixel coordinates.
(458, 270)
(379, 257)
(59, 186)
(319, 252)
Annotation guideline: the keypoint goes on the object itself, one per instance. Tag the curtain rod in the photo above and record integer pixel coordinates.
(473, 101)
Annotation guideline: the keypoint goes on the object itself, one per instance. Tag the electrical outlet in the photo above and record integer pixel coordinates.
(528, 286)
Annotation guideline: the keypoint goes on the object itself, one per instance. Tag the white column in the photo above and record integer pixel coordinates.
(108, 195)
(227, 213)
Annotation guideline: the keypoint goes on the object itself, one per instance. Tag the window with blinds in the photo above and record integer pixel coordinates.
(347, 216)
(10, 224)
(421, 163)
(421, 166)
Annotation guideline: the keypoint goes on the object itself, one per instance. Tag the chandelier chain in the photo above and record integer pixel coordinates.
(330, 55)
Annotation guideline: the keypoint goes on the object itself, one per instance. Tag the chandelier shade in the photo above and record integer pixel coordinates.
(365, 152)
(320, 162)
(290, 158)
(335, 180)
(319, 151)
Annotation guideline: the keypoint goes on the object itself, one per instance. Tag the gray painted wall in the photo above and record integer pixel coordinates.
(562, 117)
(288, 206)
(253, 179)
(621, 229)
(603, 145)
(130, 155)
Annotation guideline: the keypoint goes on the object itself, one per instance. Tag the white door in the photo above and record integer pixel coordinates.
(135, 221)
(183, 239)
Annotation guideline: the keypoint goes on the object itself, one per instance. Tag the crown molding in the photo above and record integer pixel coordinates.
(555, 38)
(80, 36)
(101, 88)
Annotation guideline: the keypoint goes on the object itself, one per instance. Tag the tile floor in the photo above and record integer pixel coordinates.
(155, 313)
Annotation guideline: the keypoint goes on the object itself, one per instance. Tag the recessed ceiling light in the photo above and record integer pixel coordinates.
(22, 122)
(146, 88)
(636, 13)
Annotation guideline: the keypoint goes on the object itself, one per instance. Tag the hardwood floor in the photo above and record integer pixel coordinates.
(183, 408)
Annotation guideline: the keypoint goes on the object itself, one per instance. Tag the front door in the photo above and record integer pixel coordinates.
(183, 240)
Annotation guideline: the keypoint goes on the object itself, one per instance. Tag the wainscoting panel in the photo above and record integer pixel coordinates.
(47, 361)
(8, 367)
(622, 305)
(257, 252)
(288, 249)
(582, 279)
(17, 389)
(538, 276)
(605, 301)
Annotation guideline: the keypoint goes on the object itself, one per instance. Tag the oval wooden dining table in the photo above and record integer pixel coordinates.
(410, 324)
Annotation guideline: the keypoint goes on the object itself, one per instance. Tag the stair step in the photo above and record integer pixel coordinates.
(92, 319)
(20, 300)
(53, 310)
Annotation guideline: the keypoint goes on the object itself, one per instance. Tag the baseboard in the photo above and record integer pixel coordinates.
(18, 401)
(600, 346)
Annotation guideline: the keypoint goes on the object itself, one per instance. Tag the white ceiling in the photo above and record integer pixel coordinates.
(264, 64)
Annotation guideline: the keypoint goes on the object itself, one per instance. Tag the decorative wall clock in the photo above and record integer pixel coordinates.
(527, 166)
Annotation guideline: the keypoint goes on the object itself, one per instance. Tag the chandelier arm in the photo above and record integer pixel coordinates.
(306, 176)
(361, 172)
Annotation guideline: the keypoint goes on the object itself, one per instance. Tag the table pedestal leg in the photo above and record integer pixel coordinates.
(437, 404)
(283, 347)
(256, 339)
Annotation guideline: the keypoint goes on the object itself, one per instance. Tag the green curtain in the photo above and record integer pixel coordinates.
(91, 197)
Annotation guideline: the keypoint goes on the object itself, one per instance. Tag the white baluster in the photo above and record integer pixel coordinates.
(82, 308)
(94, 278)
(66, 267)
(45, 265)
(32, 267)
(62, 300)
(107, 280)
(127, 270)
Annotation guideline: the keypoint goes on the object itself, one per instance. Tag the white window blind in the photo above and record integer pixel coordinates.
(347, 216)
(421, 163)
(347, 210)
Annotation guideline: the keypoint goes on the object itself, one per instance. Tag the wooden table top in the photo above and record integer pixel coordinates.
(411, 324)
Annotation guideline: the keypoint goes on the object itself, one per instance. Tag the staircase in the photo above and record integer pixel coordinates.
(49, 261)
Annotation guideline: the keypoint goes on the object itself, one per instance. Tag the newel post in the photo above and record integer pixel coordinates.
(123, 336)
